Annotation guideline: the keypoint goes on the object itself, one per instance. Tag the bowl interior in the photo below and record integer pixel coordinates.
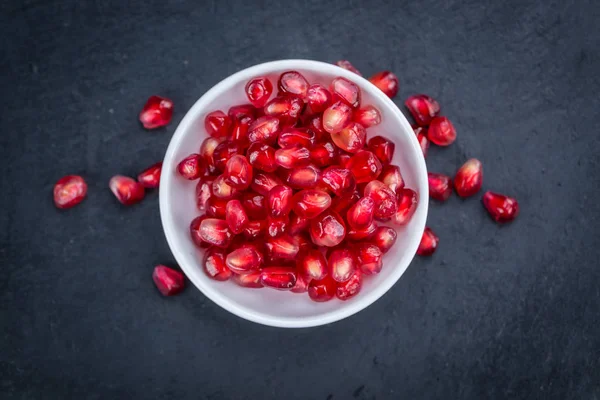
(271, 307)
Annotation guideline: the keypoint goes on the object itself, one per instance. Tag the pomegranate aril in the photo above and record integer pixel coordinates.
(341, 264)
(339, 180)
(207, 150)
(386, 203)
(258, 91)
(242, 112)
(351, 138)
(281, 248)
(293, 82)
(384, 237)
(222, 190)
(216, 207)
(216, 232)
(327, 229)
(323, 154)
(263, 182)
(350, 288)
(264, 129)
(306, 177)
(423, 141)
(441, 131)
(150, 177)
(277, 226)
(298, 224)
(310, 202)
(223, 152)
(313, 265)
(239, 132)
(387, 82)
(292, 157)
(336, 117)
(322, 290)
(214, 264)
(318, 98)
(342, 204)
(369, 257)
(469, 178)
(344, 90)
(361, 214)
(254, 204)
(367, 116)
(168, 281)
(244, 259)
(126, 190)
(382, 148)
(292, 137)
(286, 108)
(428, 244)
(262, 156)
(238, 172)
(391, 176)
(280, 278)
(217, 124)
(303, 242)
(348, 66)
(157, 112)
(192, 167)
(255, 229)
(69, 191)
(407, 205)
(365, 166)
(279, 201)
(314, 123)
(249, 280)
(195, 231)
(343, 159)
(362, 234)
(236, 216)
(440, 186)
(301, 285)
(423, 108)
(500, 207)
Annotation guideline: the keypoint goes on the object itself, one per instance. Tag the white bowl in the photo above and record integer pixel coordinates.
(272, 307)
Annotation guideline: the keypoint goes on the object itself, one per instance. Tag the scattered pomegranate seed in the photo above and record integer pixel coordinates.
(168, 281)
(126, 190)
(391, 176)
(216, 232)
(292, 157)
(203, 192)
(216, 207)
(369, 258)
(310, 202)
(242, 112)
(281, 248)
(336, 117)
(469, 178)
(292, 137)
(441, 131)
(277, 226)
(361, 214)
(382, 148)
(347, 65)
(305, 177)
(318, 98)
(323, 154)
(157, 112)
(365, 166)
(238, 172)
(387, 82)
(286, 108)
(279, 201)
(422, 139)
(423, 108)
(207, 150)
(351, 139)
(313, 265)
(429, 242)
(222, 190)
(236, 216)
(339, 180)
(346, 91)
(192, 167)
(69, 191)
(322, 290)
(214, 264)
(500, 207)
(244, 259)
(327, 229)
(367, 116)
(386, 203)
(350, 288)
(362, 234)
(264, 129)
(407, 205)
(440, 186)
(150, 177)
(217, 124)
(258, 91)
(341, 264)
(293, 82)
(280, 278)
(249, 280)
(263, 182)
(384, 238)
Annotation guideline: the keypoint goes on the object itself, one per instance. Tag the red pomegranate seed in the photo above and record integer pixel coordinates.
(313, 265)
(441, 131)
(195, 231)
(342, 204)
(382, 148)
(387, 82)
(157, 112)
(362, 234)
(336, 117)
(69, 191)
(263, 182)
(242, 112)
(254, 204)
(236, 216)
(386, 203)
(423, 108)
(255, 229)
(292, 137)
(292, 157)
(150, 177)
(223, 153)
(310, 202)
(207, 150)
(301, 285)
(280, 278)
(262, 156)
(429, 242)
(168, 281)
(277, 226)
(323, 290)
(407, 205)
(500, 207)
(369, 257)
(343, 159)
(339, 180)
(303, 177)
(286, 108)
(264, 129)
(344, 90)
(367, 116)
(279, 201)
(238, 172)
(258, 91)
(293, 82)
(360, 215)
(250, 280)
(192, 167)
(365, 166)
(216, 232)
(318, 98)
(327, 229)
(298, 224)
(126, 190)
(341, 264)
(216, 207)
(214, 264)
(347, 65)
(440, 186)
(244, 259)
(217, 124)
(384, 237)
(314, 123)
(469, 178)
(391, 176)
(239, 132)
(422, 139)
(351, 139)
(350, 288)
(281, 248)
(222, 190)
(323, 154)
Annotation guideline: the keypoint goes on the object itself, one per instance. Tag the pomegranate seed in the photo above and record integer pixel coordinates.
(254, 204)
(360, 215)
(264, 129)
(250, 280)
(387, 82)
(362, 234)
(238, 172)
(336, 117)
(157, 112)
(322, 290)
(500, 207)
(369, 257)
(262, 156)
(258, 91)
(286, 108)
(291, 137)
(343, 159)
(69, 191)
(339, 180)
(217, 124)
(216, 207)
(313, 265)
(386, 203)
(279, 201)
(168, 281)
(440, 186)
(304, 177)
(223, 152)
(126, 190)
(216, 232)
(407, 205)
(429, 242)
(342, 204)
(327, 229)
(207, 150)
(346, 91)
(150, 177)
(255, 229)
(422, 139)
(391, 176)
(214, 264)
(281, 248)
(423, 108)
(277, 226)
(365, 166)
(263, 182)
(350, 288)
(367, 116)
(341, 264)
(301, 285)
(351, 139)
(242, 112)
(323, 154)
(239, 132)
(222, 190)
(441, 131)
(236, 216)
(310, 202)
(298, 224)
(314, 123)
(384, 238)
(195, 231)
(318, 98)
(347, 65)
(192, 167)
(280, 278)
(244, 259)
(469, 178)
(382, 148)
(293, 82)
(292, 157)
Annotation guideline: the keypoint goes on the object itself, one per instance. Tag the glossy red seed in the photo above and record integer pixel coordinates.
(314, 123)
(249, 280)
(222, 190)
(207, 150)
(441, 131)
(339, 180)
(336, 117)
(384, 237)
(217, 124)
(168, 281)
(391, 176)
(298, 224)
(323, 154)
(367, 116)
(239, 132)
(223, 153)
(216, 207)
(500, 207)
(348, 66)
(345, 90)
(263, 182)
(157, 112)
(242, 112)
(214, 264)
(216, 232)
(255, 229)
(69, 191)
(126, 190)
(254, 204)
(305, 177)
(342, 204)
(362, 234)
(322, 290)
(277, 226)
(262, 156)
(440, 186)
(281, 248)
(422, 139)
(286, 108)
(195, 231)
(310, 202)
(407, 205)
(327, 229)
(244, 259)
(279, 201)
(428, 244)
(423, 108)
(351, 138)
(150, 177)
(313, 265)
(386, 203)
(350, 288)
(293, 82)
(258, 91)
(469, 178)
(382, 148)
(192, 167)
(292, 137)
(238, 172)
(264, 129)
(341, 264)
(318, 98)
(360, 215)
(236, 216)
(292, 157)
(365, 166)
(343, 159)
(301, 285)
(280, 278)
(369, 257)
(387, 82)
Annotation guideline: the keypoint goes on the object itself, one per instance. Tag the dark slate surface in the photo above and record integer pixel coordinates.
(498, 312)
